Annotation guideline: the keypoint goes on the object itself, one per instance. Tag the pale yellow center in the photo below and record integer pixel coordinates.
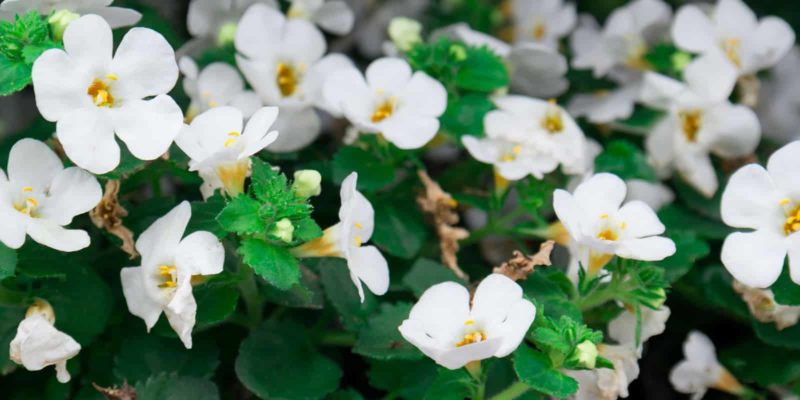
(731, 47)
(792, 223)
(552, 121)
(691, 122)
(539, 30)
(382, 111)
(471, 336)
(231, 140)
(168, 276)
(511, 155)
(100, 91)
(287, 78)
(28, 206)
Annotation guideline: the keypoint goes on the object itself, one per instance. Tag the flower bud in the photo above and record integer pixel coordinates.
(405, 32)
(59, 21)
(586, 354)
(41, 306)
(283, 230)
(680, 60)
(662, 298)
(226, 34)
(307, 183)
(458, 52)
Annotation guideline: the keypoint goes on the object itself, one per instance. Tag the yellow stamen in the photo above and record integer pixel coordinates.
(792, 223)
(469, 322)
(229, 142)
(623, 225)
(517, 149)
(608, 234)
(730, 47)
(357, 239)
(383, 111)
(287, 79)
(604, 216)
(359, 226)
(100, 94)
(212, 103)
(471, 338)
(783, 201)
(552, 121)
(112, 77)
(539, 30)
(32, 202)
(168, 284)
(691, 122)
(28, 189)
(234, 134)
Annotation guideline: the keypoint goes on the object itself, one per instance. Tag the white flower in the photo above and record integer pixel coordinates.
(602, 227)
(542, 21)
(536, 70)
(38, 344)
(214, 21)
(93, 96)
(732, 30)
(764, 308)
(405, 33)
(346, 240)
(169, 261)
(218, 84)
(39, 197)
(287, 71)
(605, 383)
(700, 120)
(527, 136)
(654, 194)
(605, 106)
(115, 16)
(390, 100)
(780, 98)
(767, 201)
(623, 327)
(220, 150)
(624, 39)
(445, 327)
(701, 370)
(332, 16)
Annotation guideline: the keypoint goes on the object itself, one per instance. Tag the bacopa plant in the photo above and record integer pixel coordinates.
(463, 199)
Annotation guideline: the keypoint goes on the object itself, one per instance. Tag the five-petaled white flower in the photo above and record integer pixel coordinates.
(700, 120)
(92, 96)
(623, 41)
(220, 150)
(527, 136)
(116, 16)
(39, 197)
(700, 369)
(163, 283)
(767, 201)
(391, 100)
(346, 240)
(38, 344)
(287, 71)
(733, 30)
(453, 331)
(602, 227)
(218, 84)
(542, 21)
(606, 383)
(332, 16)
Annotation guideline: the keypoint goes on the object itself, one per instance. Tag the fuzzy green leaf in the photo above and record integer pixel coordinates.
(8, 261)
(535, 370)
(380, 339)
(426, 273)
(273, 263)
(625, 160)
(174, 387)
(373, 173)
(240, 216)
(142, 356)
(399, 229)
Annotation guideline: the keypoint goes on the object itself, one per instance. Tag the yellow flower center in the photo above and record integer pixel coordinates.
(168, 276)
(635, 58)
(512, 155)
(731, 47)
(691, 122)
(287, 78)
(539, 30)
(471, 336)
(383, 110)
(28, 206)
(608, 234)
(232, 175)
(552, 121)
(231, 140)
(792, 223)
(100, 91)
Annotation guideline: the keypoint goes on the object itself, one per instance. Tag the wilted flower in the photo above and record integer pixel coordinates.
(447, 329)
(218, 84)
(93, 96)
(69, 10)
(623, 328)
(605, 383)
(701, 370)
(542, 21)
(764, 308)
(346, 239)
(39, 197)
(169, 261)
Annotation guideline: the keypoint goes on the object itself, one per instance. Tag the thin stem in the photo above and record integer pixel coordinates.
(512, 392)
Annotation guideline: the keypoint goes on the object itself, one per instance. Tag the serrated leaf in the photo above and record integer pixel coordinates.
(306, 229)
(373, 173)
(464, 115)
(380, 338)
(399, 229)
(481, 71)
(273, 263)
(175, 387)
(240, 216)
(426, 273)
(14, 76)
(140, 357)
(204, 216)
(306, 294)
(275, 361)
(451, 385)
(535, 370)
(342, 294)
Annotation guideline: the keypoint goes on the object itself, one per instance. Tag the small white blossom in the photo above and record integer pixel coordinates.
(163, 283)
(332, 16)
(654, 194)
(215, 21)
(606, 106)
(700, 120)
(605, 383)
(38, 344)
(389, 99)
(527, 136)
(779, 99)
(767, 201)
(93, 96)
(602, 227)
(623, 41)
(218, 84)
(542, 21)
(346, 240)
(453, 331)
(733, 31)
(623, 327)
(117, 17)
(220, 149)
(700, 369)
(39, 197)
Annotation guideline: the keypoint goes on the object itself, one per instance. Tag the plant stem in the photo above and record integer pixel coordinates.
(512, 392)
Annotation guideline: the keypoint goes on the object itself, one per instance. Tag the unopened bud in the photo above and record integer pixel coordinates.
(59, 22)
(586, 354)
(680, 60)
(226, 34)
(405, 32)
(307, 183)
(284, 230)
(41, 307)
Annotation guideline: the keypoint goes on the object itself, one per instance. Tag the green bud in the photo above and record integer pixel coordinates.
(59, 22)
(226, 34)
(586, 354)
(405, 33)
(680, 60)
(662, 298)
(458, 52)
(307, 183)
(284, 230)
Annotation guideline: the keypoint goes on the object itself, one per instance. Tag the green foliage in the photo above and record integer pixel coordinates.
(380, 338)
(8, 261)
(689, 249)
(451, 385)
(342, 294)
(175, 387)
(464, 114)
(625, 160)
(142, 357)
(273, 263)
(460, 67)
(399, 228)
(535, 369)
(240, 216)
(409, 379)
(21, 43)
(785, 290)
(425, 273)
(560, 338)
(553, 293)
(373, 172)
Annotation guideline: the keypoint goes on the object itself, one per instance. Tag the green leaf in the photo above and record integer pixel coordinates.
(552, 291)
(275, 264)
(342, 294)
(14, 76)
(399, 229)
(306, 294)
(689, 249)
(10, 317)
(785, 290)
(204, 216)
(276, 361)
(380, 339)
(675, 216)
(21, 42)
(535, 370)
(464, 115)
(128, 165)
(306, 229)
(451, 385)
(408, 379)
(140, 357)
(625, 160)
(426, 273)
(8, 261)
(174, 387)
(752, 361)
(373, 173)
(770, 334)
(240, 216)
(481, 71)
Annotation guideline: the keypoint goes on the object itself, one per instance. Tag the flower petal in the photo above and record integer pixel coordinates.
(775, 37)
(14, 226)
(259, 22)
(335, 17)
(695, 167)
(783, 166)
(298, 128)
(88, 139)
(601, 194)
(755, 258)
(692, 30)
(371, 268)
(88, 42)
(32, 163)
(52, 235)
(40, 344)
(734, 18)
(423, 95)
(519, 317)
(568, 212)
(408, 131)
(640, 220)
(654, 248)
(302, 42)
(148, 127)
(655, 195)
(711, 76)
(137, 296)
(158, 242)
(751, 200)
(144, 64)
(118, 17)
(457, 357)
(257, 131)
(60, 84)
(182, 310)
(201, 253)
(388, 74)
(442, 310)
(493, 298)
(73, 192)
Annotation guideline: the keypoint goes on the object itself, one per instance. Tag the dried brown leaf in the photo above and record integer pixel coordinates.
(519, 266)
